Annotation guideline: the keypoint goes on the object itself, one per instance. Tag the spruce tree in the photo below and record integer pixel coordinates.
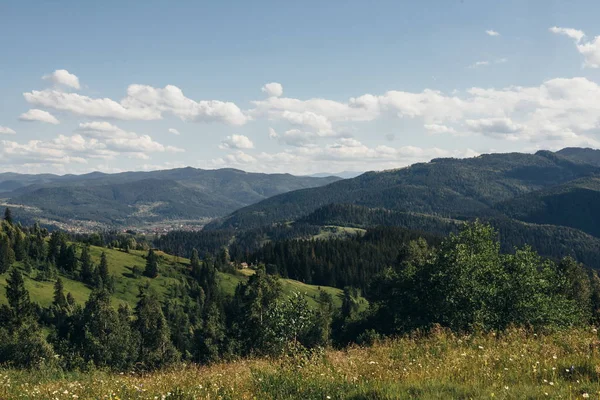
(156, 349)
(7, 254)
(87, 268)
(195, 264)
(151, 270)
(103, 273)
(18, 297)
(20, 246)
(59, 299)
(8, 216)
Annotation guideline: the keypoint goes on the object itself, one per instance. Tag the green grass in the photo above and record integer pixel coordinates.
(515, 364)
(332, 232)
(172, 270)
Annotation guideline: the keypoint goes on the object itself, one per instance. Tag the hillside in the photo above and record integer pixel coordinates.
(587, 155)
(446, 187)
(173, 271)
(574, 204)
(136, 198)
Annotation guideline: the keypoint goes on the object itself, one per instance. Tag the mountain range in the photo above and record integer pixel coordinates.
(132, 198)
(549, 200)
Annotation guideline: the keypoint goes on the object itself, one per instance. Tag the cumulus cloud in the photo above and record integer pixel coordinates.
(439, 129)
(273, 134)
(236, 142)
(575, 34)
(491, 32)
(117, 140)
(273, 89)
(308, 119)
(174, 131)
(141, 103)
(5, 130)
(64, 78)
(344, 153)
(39, 115)
(590, 50)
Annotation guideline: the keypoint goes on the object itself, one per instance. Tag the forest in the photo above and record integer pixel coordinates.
(393, 281)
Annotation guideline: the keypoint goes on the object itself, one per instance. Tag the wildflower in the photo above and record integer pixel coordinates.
(551, 383)
(480, 347)
(585, 396)
(594, 330)
(554, 356)
(505, 387)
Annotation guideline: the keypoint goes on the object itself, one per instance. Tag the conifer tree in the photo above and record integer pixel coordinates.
(8, 216)
(18, 297)
(87, 268)
(151, 270)
(59, 299)
(155, 348)
(7, 254)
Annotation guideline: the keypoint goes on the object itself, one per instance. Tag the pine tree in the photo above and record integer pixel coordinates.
(59, 299)
(7, 254)
(87, 268)
(8, 216)
(18, 297)
(104, 279)
(19, 245)
(195, 264)
(156, 349)
(151, 270)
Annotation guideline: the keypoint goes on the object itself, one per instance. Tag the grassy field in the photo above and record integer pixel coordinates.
(512, 365)
(172, 269)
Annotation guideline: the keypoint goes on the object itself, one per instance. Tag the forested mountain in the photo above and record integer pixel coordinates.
(138, 197)
(547, 200)
(445, 187)
(587, 155)
(575, 204)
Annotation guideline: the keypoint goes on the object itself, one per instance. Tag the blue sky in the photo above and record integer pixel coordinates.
(354, 85)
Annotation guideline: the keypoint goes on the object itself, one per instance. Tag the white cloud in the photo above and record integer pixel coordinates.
(174, 131)
(39, 115)
(5, 130)
(141, 103)
(236, 142)
(63, 77)
(479, 64)
(273, 134)
(590, 50)
(273, 89)
(491, 32)
(493, 126)
(439, 129)
(575, 34)
(343, 154)
(118, 140)
(488, 63)
(308, 119)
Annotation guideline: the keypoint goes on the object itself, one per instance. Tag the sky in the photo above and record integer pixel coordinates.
(298, 87)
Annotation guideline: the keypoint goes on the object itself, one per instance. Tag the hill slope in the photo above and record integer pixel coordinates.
(447, 187)
(172, 269)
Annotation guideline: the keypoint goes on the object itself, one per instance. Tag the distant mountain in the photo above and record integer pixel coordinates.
(575, 204)
(343, 174)
(138, 197)
(446, 187)
(587, 155)
(548, 200)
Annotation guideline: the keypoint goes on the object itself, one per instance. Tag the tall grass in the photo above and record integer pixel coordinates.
(515, 364)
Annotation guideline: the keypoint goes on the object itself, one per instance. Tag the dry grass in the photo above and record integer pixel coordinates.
(512, 365)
